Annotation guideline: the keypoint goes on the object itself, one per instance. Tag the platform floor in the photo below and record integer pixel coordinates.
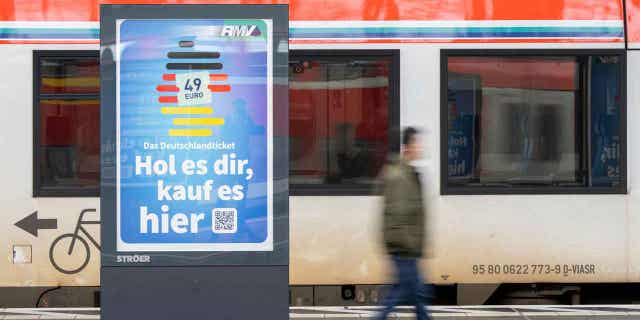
(586, 312)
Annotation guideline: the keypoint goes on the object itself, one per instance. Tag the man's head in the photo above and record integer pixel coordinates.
(411, 147)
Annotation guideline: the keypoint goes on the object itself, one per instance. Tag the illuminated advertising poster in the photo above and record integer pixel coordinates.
(194, 132)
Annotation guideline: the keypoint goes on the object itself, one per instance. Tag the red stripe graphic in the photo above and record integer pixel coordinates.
(47, 41)
(220, 88)
(485, 40)
(212, 77)
(167, 88)
(168, 99)
(218, 77)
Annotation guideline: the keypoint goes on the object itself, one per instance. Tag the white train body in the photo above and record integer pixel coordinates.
(335, 240)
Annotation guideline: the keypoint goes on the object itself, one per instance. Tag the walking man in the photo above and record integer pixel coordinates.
(403, 226)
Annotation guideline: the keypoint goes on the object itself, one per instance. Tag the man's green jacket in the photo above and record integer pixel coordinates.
(404, 212)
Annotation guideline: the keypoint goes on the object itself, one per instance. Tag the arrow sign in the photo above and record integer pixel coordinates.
(32, 224)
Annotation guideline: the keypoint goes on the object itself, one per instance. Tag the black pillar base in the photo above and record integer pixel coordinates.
(195, 293)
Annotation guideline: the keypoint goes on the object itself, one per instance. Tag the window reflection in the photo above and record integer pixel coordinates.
(69, 143)
(339, 120)
(74, 75)
(533, 121)
(68, 125)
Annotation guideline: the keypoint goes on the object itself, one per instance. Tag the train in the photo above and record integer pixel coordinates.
(526, 113)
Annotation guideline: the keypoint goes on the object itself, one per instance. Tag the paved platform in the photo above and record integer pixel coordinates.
(585, 312)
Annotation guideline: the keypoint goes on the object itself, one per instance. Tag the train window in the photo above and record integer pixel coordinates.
(343, 107)
(66, 124)
(533, 122)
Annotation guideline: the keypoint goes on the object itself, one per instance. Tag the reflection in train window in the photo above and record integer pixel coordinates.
(342, 107)
(533, 123)
(66, 123)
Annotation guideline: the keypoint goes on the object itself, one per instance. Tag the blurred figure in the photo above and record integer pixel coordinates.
(403, 226)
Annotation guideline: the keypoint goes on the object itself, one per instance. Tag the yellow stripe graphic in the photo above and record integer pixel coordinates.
(198, 121)
(186, 110)
(190, 132)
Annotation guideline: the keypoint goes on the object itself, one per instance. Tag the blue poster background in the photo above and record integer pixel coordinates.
(143, 57)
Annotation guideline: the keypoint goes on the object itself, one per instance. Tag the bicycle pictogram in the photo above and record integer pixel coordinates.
(72, 238)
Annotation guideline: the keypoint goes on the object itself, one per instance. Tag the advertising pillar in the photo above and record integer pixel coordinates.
(194, 193)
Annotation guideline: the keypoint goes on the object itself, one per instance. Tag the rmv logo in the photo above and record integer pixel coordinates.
(240, 31)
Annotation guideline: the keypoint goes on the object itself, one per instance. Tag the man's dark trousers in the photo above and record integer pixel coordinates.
(408, 288)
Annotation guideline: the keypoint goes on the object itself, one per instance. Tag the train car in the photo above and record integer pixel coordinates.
(527, 114)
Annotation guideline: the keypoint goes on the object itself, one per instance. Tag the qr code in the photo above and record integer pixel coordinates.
(225, 220)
